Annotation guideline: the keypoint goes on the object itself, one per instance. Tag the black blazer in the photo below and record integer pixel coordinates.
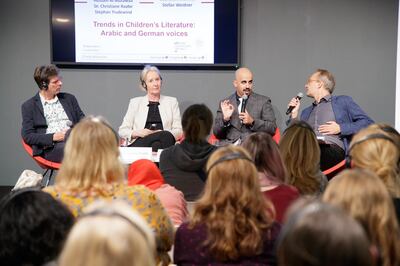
(34, 123)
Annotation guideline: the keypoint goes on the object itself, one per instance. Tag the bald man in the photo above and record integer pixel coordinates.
(244, 112)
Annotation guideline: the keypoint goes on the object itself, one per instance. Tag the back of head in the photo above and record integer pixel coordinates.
(374, 149)
(327, 79)
(33, 227)
(197, 122)
(232, 207)
(321, 235)
(109, 235)
(145, 172)
(266, 155)
(43, 73)
(301, 156)
(364, 196)
(90, 157)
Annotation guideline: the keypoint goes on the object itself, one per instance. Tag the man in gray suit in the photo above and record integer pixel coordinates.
(244, 112)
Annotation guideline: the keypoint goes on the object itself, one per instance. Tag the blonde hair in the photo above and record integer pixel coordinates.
(379, 155)
(301, 155)
(107, 235)
(90, 161)
(363, 195)
(232, 207)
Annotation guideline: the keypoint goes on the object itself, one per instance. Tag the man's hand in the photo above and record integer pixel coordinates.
(329, 128)
(246, 118)
(296, 103)
(59, 136)
(227, 110)
(141, 133)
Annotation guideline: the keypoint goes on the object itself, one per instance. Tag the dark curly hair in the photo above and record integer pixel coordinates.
(33, 227)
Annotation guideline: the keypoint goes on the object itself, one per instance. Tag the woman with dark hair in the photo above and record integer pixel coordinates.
(319, 234)
(271, 172)
(183, 165)
(301, 156)
(33, 228)
(232, 224)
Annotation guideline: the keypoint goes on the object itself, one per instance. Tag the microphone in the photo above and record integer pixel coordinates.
(244, 102)
(298, 97)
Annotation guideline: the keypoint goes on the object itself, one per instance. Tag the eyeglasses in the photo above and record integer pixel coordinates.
(311, 80)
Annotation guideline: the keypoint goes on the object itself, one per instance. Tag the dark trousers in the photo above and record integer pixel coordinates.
(331, 155)
(159, 140)
(56, 153)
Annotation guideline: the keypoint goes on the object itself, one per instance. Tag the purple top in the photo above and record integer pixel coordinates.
(189, 250)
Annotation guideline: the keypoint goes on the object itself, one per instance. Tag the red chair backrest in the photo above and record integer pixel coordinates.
(42, 162)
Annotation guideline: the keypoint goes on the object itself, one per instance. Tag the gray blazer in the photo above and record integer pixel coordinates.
(258, 106)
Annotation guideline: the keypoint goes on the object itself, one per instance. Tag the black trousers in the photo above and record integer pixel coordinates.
(331, 155)
(56, 153)
(159, 140)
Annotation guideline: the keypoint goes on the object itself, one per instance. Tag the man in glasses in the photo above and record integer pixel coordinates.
(335, 119)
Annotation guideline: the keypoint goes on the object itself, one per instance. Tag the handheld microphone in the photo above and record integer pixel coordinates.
(298, 97)
(244, 102)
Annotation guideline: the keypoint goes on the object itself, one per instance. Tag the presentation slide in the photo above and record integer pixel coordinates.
(150, 31)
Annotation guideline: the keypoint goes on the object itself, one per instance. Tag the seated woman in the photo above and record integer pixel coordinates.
(233, 223)
(91, 171)
(109, 234)
(301, 156)
(33, 226)
(271, 171)
(153, 120)
(183, 164)
(145, 172)
(364, 197)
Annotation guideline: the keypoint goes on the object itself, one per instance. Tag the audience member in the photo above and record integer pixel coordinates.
(33, 228)
(183, 165)
(243, 112)
(233, 223)
(271, 171)
(376, 150)
(91, 171)
(301, 154)
(364, 196)
(321, 235)
(334, 119)
(152, 120)
(48, 116)
(145, 172)
(109, 235)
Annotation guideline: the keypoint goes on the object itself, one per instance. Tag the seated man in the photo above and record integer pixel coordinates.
(335, 119)
(244, 112)
(47, 116)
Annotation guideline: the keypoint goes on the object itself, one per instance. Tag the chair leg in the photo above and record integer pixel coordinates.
(48, 179)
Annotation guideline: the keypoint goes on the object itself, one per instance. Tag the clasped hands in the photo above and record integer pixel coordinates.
(227, 110)
(141, 133)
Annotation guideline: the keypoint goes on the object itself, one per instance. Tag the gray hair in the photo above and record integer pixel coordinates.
(145, 71)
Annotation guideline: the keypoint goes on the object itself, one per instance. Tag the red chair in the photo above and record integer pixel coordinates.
(277, 136)
(46, 165)
(334, 170)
